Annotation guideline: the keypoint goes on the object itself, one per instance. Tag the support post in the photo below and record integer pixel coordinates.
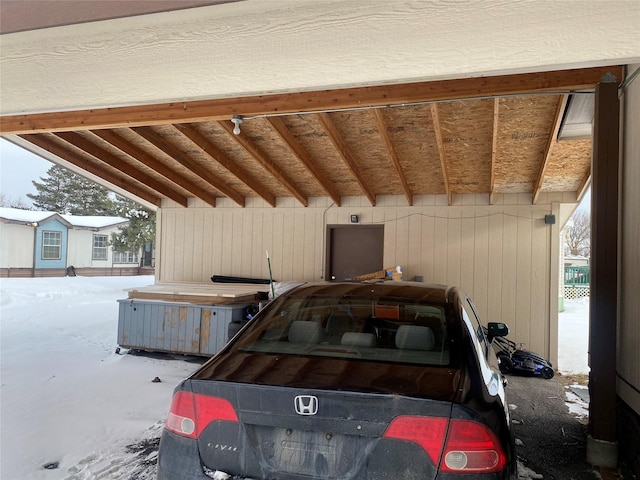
(603, 311)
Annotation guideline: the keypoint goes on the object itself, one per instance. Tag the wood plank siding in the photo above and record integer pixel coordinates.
(501, 254)
(629, 320)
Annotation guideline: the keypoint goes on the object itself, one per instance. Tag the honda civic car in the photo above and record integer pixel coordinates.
(347, 380)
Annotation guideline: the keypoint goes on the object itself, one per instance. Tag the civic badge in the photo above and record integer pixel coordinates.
(306, 404)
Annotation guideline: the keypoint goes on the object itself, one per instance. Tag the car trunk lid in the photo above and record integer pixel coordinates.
(302, 433)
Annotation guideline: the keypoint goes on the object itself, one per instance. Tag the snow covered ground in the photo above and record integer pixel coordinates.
(66, 397)
(70, 403)
(573, 336)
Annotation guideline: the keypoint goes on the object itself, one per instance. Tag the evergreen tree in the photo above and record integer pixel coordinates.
(53, 191)
(140, 230)
(89, 198)
(64, 192)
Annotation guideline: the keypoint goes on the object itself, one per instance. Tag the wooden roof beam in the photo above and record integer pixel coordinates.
(245, 142)
(141, 156)
(443, 161)
(176, 154)
(551, 142)
(342, 148)
(103, 155)
(494, 147)
(302, 155)
(382, 128)
(322, 100)
(45, 141)
(223, 159)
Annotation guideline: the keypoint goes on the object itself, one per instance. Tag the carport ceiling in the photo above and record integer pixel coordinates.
(489, 135)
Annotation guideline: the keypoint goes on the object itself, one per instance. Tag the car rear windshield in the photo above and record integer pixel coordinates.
(377, 329)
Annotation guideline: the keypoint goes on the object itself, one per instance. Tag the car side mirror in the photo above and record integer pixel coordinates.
(496, 329)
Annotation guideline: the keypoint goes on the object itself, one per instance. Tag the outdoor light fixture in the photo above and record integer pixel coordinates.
(236, 120)
(354, 219)
(550, 219)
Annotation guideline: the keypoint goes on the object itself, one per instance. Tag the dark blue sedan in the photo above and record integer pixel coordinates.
(343, 380)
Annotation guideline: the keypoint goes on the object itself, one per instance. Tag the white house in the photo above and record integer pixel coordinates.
(37, 243)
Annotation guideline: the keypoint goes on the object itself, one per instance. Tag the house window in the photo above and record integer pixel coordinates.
(51, 245)
(125, 257)
(100, 247)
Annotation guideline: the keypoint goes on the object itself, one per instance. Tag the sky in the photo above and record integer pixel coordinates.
(18, 167)
(68, 399)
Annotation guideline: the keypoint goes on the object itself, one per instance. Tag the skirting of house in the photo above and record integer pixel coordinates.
(571, 292)
(82, 272)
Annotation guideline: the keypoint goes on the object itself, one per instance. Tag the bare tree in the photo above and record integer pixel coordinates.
(6, 201)
(578, 233)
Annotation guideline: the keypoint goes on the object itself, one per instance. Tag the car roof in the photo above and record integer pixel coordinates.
(415, 291)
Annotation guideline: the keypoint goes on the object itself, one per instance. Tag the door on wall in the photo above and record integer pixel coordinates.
(354, 250)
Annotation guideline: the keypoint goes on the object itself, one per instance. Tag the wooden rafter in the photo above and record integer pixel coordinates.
(45, 141)
(223, 159)
(171, 150)
(551, 142)
(141, 156)
(264, 160)
(382, 128)
(302, 155)
(106, 157)
(494, 147)
(443, 161)
(202, 167)
(342, 148)
(357, 97)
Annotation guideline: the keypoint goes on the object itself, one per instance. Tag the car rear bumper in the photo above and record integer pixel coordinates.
(183, 461)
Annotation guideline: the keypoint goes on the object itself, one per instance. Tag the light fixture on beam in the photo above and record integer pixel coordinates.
(237, 120)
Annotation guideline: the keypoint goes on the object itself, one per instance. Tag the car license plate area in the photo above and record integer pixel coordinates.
(324, 455)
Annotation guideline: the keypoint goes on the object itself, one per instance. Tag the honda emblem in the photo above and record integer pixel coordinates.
(306, 404)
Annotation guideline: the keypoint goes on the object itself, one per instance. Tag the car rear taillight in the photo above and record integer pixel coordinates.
(464, 446)
(428, 432)
(472, 447)
(190, 413)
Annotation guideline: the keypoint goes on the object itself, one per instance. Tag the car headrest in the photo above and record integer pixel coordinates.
(414, 337)
(302, 331)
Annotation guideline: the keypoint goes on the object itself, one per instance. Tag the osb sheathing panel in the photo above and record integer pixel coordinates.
(569, 166)
(524, 126)
(360, 133)
(261, 132)
(411, 132)
(309, 133)
(122, 157)
(159, 155)
(213, 166)
(467, 144)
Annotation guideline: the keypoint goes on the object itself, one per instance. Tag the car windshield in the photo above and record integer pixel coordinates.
(371, 327)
